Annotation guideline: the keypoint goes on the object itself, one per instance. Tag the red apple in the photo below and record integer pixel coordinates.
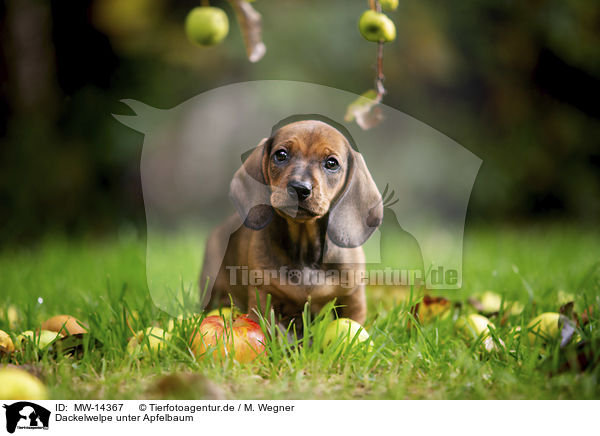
(243, 339)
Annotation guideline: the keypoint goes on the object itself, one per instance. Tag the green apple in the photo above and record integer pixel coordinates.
(206, 25)
(42, 338)
(545, 326)
(490, 302)
(16, 384)
(474, 325)
(514, 308)
(152, 339)
(389, 5)
(343, 331)
(11, 315)
(375, 26)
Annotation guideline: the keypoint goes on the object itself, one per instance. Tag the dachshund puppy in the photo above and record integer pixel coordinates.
(306, 203)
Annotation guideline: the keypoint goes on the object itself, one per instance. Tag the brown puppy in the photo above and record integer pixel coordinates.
(307, 203)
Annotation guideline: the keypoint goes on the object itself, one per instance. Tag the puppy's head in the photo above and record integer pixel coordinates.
(306, 169)
(311, 172)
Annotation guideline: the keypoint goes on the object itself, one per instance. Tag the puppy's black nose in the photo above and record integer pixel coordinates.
(301, 190)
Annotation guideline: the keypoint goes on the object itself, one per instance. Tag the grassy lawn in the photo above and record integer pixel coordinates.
(96, 280)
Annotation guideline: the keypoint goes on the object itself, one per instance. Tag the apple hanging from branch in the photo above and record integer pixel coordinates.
(207, 26)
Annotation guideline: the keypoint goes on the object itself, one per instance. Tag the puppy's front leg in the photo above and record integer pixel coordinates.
(354, 306)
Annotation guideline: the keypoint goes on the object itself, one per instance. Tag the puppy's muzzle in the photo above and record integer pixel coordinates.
(300, 190)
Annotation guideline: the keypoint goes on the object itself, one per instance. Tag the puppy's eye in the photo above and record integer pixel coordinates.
(280, 155)
(332, 164)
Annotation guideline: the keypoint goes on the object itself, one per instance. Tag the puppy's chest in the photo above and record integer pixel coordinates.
(291, 276)
(317, 283)
(297, 283)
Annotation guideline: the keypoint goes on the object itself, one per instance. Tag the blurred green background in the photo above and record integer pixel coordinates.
(515, 82)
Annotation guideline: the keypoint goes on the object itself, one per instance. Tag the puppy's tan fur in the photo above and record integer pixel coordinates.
(320, 233)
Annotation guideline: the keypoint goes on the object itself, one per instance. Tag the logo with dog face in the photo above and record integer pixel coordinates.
(191, 157)
(26, 416)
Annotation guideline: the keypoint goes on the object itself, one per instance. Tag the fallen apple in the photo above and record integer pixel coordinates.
(16, 384)
(375, 26)
(490, 301)
(564, 297)
(514, 308)
(175, 324)
(545, 327)
(225, 312)
(12, 315)
(65, 325)
(6, 343)
(474, 325)
(206, 25)
(345, 332)
(150, 340)
(41, 338)
(243, 339)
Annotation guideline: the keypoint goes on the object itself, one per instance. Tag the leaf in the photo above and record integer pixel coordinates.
(365, 110)
(586, 315)
(430, 308)
(580, 357)
(567, 331)
(251, 24)
(567, 309)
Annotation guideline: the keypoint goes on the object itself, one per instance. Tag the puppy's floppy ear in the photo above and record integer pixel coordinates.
(358, 210)
(249, 190)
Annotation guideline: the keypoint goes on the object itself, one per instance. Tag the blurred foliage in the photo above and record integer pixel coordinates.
(515, 82)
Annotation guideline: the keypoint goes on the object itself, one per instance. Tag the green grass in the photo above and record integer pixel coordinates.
(99, 281)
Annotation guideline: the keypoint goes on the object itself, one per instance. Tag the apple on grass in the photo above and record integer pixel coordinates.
(375, 26)
(41, 338)
(150, 340)
(242, 338)
(345, 332)
(6, 343)
(475, 326)
(225, 312)
(546, 327)
(10, 314)
(16, 384)
(206, 25)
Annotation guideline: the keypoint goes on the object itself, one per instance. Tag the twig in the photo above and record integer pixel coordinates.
(379, 77)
